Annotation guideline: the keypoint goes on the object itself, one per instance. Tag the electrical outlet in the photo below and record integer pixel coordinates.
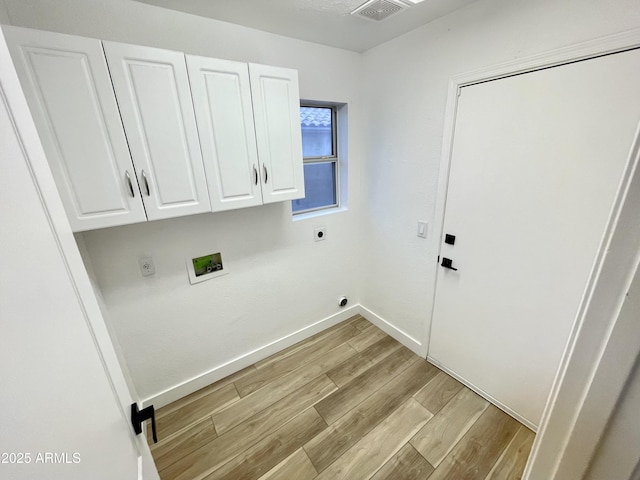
(147, 267)
(320, 233)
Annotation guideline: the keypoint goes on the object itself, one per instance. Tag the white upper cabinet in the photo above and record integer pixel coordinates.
(67, 85)
(222, 100)
(276, 110)
(134, 133)
(249, 124)
(152, 88)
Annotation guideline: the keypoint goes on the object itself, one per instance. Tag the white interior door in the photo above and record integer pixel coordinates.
(67, 84)
(62, 414)
(152, 88)
(222, 102)
(535, 165)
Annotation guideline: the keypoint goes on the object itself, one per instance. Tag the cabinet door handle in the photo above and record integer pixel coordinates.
(131, 191)
(266, 175)
(146, 183)
(255, 175)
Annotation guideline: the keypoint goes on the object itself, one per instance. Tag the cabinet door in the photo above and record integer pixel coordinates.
(67, 85)
(154, 97)
(276, 108)
(222, 100)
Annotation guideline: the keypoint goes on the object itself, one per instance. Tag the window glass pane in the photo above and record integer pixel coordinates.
(317, 131)
(319, 186)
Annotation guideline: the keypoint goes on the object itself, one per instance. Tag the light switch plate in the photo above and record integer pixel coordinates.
(423, 229)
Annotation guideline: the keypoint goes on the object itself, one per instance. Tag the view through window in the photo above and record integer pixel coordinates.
(319, 149)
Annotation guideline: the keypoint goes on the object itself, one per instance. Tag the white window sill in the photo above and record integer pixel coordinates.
(319, 213)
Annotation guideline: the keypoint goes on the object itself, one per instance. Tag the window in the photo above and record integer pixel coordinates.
(321, 164)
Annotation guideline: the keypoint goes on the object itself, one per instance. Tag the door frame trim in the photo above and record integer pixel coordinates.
(558, 427)
(602, 350)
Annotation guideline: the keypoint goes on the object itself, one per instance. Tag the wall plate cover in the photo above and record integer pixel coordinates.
(205, 267)
(319, 234)
(147, 268)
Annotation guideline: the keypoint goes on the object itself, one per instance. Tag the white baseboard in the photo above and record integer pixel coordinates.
(405, 339)
(421, 350)
(196, 383)
(484, 395)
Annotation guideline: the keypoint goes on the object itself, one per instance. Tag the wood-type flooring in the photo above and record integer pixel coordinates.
(348, 403)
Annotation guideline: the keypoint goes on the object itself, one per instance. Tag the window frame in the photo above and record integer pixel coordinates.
(333, 158)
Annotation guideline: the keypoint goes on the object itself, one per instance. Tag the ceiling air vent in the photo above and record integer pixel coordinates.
(378, 10)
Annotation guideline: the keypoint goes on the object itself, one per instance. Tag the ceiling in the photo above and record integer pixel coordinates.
(328, 22)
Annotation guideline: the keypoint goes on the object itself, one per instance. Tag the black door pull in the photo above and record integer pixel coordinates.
(139, 416)
(448, 263)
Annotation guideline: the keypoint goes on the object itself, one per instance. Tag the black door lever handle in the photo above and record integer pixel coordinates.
(139, 416)
(448, 263)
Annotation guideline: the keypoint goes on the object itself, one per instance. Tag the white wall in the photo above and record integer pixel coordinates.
(404, 100)
(4, 15)
(280, 280)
